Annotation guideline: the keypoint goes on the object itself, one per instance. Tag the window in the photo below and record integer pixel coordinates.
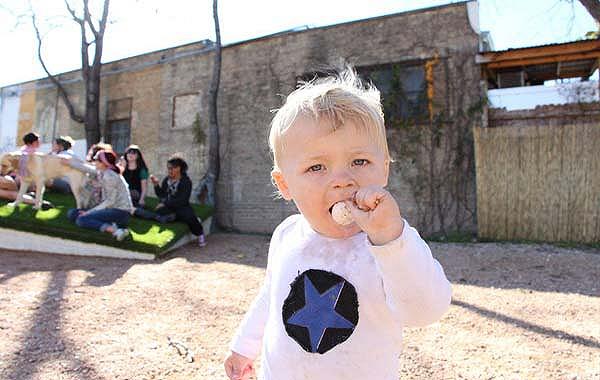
(118, 135)
(403, 90)
(118, 117)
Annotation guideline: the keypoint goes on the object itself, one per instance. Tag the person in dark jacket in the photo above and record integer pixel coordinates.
(174, 193)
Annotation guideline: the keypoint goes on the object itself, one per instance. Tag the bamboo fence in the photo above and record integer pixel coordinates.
(539, 183)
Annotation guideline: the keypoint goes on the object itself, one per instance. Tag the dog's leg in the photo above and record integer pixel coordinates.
(76, 181)
(22, 190)
(40, 186)
(76, 190)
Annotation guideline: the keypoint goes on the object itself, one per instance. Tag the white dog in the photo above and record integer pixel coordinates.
(41, 167)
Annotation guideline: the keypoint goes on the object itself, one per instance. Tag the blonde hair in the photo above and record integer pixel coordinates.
(337, 99)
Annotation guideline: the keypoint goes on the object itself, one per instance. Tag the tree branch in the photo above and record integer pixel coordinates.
(73, 14)
(100, 34)
(87, 16)
(61, 90)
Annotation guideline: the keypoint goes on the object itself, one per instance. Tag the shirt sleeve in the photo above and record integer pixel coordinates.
(143, 174)
(83, 167)
(416, 288)
(248, 338)
(161, 189)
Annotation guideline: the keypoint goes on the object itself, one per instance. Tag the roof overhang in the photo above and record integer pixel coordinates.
(567, 60)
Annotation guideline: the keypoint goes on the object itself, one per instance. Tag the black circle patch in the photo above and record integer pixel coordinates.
(321, 310)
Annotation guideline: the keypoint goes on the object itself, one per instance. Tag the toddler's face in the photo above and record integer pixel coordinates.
(320, 167)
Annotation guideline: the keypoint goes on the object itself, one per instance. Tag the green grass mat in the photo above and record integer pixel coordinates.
(145, 235)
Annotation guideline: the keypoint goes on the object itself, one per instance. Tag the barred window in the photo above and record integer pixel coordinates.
(403, 90)
(118, 118)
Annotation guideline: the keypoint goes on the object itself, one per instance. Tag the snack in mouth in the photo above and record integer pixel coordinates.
(341, 214)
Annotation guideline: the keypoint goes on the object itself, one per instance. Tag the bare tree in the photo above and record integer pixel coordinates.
(90, 68)
(210, 181)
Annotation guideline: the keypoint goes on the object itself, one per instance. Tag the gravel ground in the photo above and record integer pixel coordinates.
(518, 312)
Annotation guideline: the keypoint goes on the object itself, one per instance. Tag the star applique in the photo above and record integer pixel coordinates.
(318, 313)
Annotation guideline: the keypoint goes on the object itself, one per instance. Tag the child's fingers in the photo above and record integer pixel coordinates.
(360, 217)
(237, 371)
(236, 374)
(369, 198)
(247, 372)
(229, 369)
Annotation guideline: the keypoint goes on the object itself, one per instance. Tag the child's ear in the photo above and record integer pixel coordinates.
(281, 184)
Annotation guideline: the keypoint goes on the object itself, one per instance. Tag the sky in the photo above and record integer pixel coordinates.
(141, 26)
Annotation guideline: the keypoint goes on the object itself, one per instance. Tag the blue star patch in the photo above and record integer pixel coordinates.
(321, 310)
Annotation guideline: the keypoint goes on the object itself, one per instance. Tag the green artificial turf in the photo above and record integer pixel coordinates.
(145, 235)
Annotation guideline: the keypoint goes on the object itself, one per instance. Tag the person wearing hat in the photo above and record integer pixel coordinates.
(112, 214)
(61, 145)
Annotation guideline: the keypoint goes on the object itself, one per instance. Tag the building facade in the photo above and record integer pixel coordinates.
(423, 62)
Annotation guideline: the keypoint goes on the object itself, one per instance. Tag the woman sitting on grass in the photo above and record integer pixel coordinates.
(174, 194)
(112, 214)
(136, 175)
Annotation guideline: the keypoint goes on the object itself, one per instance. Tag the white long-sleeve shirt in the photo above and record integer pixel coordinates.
(398, 284)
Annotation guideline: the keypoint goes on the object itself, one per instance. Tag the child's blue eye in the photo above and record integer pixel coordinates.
(360, 162)
(315, 168)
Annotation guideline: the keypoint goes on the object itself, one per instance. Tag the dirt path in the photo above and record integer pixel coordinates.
(519, 312)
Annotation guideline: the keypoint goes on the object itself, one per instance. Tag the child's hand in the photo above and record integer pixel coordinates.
(238, 367)
(153, 179)
(377, 213)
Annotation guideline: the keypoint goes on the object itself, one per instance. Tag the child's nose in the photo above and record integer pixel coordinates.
(342, 180)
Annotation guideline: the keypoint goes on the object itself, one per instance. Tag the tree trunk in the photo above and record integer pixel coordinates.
(593, 7)
(90, 72)
(92, 107)
(213, 129)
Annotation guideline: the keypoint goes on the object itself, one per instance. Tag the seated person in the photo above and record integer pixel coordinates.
(112, 214)
(61, 146)
(90, 193)
(174, 194)
(136, 174)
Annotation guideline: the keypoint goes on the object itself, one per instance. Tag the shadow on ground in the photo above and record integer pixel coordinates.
(493, 265)
(44, 340)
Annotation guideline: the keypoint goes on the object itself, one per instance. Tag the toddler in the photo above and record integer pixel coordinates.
(336, 296)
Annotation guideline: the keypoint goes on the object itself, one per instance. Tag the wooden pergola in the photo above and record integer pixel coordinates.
(534, 65)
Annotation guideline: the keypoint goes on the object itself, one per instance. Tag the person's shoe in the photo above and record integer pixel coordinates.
(121, 233)
(47, 205)
(201, 241)
(168, 218)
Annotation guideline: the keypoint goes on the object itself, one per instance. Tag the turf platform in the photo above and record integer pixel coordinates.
(23, 228)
